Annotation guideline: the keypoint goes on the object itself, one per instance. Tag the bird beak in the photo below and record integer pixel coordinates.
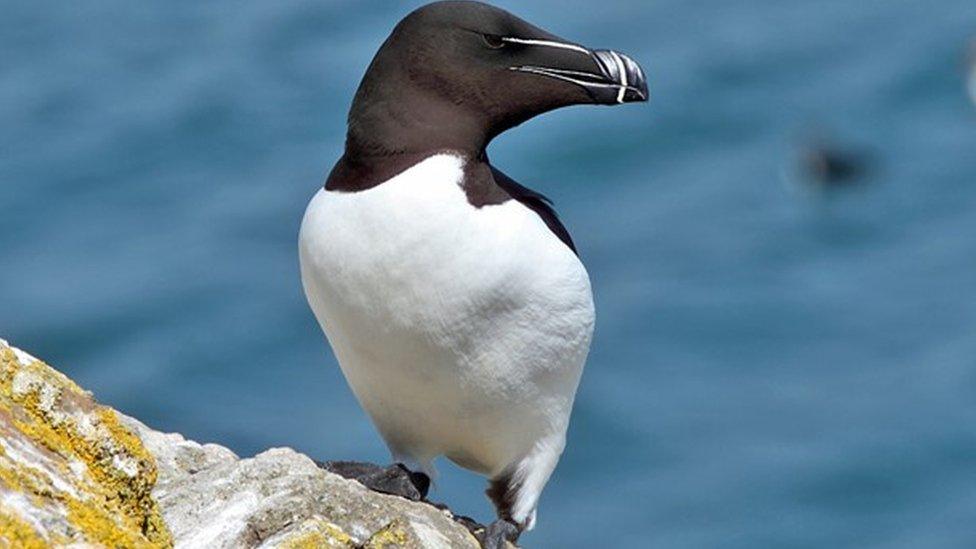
(609, 77)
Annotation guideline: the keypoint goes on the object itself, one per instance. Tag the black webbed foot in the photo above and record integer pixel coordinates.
(399, 481)
(497, 533)
(395, 479)
(349, 469)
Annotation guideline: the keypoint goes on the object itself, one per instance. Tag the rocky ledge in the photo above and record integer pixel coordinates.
(74, 472)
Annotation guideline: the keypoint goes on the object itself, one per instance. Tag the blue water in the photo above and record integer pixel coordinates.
(772, 367)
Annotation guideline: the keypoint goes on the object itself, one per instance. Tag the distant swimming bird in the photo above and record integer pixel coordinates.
(830, 165)
(452, 295)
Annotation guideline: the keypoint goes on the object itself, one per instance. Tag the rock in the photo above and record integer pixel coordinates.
(69, 470)
(76, 472)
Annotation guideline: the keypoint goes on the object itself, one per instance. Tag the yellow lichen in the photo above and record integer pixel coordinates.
(92, 518)
(47, 409)
(17, 533)
(391, 535)
(317, 535)
(24, 479)
(101, 527)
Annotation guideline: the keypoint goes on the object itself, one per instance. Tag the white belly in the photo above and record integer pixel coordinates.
(461, 330)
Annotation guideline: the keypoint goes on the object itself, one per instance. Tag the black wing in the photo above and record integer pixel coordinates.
(538, 203)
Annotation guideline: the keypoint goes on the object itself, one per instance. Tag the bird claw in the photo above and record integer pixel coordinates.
(398, 480)
(497, 533)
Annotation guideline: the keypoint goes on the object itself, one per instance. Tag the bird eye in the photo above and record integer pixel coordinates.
(493, 41)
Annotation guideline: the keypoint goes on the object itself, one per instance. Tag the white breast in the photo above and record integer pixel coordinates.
(461, 330)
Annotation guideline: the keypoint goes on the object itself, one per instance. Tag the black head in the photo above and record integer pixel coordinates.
(453, 75)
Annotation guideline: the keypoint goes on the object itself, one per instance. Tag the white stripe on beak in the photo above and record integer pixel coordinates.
(564, 75)
(623, 76)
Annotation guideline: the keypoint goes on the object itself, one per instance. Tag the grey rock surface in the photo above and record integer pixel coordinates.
(76, 473)
(280, 498)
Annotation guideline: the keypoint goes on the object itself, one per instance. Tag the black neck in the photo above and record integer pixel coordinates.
(399, 128)
(386, 136)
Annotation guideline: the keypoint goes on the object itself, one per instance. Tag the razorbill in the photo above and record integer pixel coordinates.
(832, 166)
(451, 295)
(827, 164)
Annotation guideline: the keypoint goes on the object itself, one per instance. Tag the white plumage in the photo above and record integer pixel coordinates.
(461, 330)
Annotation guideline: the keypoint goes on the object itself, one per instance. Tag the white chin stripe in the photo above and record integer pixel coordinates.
(623, 76)
(546, 44)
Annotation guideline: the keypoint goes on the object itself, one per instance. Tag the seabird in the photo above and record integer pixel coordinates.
(451, 295)
(829, 164)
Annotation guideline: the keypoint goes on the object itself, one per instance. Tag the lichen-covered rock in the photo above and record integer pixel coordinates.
(69, 471)
(75, 472)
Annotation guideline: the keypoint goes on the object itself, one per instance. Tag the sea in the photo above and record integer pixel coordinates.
(780, 360)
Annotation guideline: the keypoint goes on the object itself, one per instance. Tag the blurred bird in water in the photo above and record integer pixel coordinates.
(826, 164)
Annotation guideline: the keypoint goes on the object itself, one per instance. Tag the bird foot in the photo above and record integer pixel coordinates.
(398, 480)
(395, 479)
(497, 533)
